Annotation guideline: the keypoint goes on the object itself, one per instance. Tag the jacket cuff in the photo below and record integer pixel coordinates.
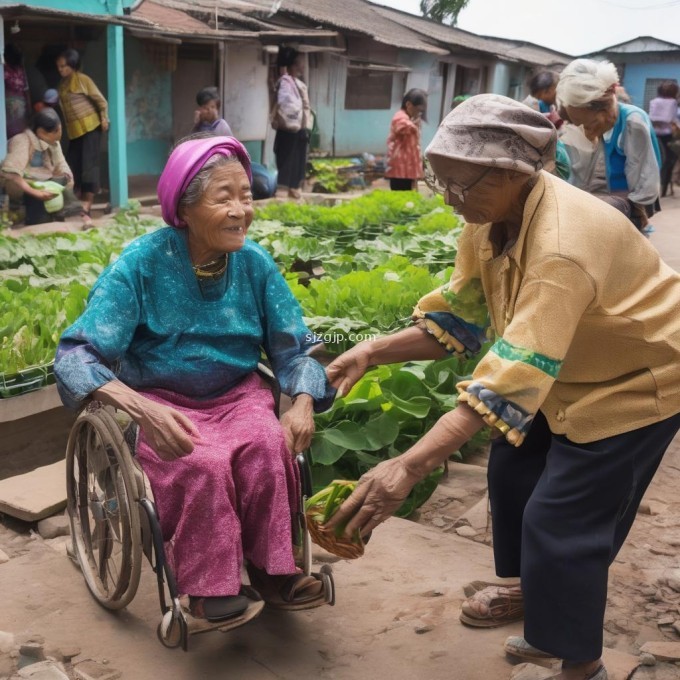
(496, 411)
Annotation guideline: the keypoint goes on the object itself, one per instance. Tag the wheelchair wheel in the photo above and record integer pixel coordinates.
(101, 502)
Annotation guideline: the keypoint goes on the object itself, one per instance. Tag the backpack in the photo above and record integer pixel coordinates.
(287, 114)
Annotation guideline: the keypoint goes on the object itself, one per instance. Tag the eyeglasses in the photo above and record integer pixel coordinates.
(458, 190)
(461, 192)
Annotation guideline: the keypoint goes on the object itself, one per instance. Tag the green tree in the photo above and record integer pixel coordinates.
(443, 11)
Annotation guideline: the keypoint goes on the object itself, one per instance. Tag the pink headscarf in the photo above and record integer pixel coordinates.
(185, 162)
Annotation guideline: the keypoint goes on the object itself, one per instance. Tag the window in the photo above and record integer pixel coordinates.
(470, 81)
(651, 86)
(369, 86)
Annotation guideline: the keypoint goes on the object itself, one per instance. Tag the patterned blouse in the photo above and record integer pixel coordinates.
(584, 314)
(404, 159)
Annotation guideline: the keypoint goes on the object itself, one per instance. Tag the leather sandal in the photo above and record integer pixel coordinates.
(492, 607)
(518, 647)
(287, 591)
(475, 586)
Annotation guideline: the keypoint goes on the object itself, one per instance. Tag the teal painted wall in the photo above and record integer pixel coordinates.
(148, 110)
(358, 131)
(635, 75)
(147, 156)
(254, 148)
(82, 6)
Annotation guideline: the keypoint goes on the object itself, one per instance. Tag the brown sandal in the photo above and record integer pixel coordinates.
(287, 591)
(475, 586)
(493, 606)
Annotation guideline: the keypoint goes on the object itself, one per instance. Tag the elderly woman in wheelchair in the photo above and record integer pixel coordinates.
(172, 335)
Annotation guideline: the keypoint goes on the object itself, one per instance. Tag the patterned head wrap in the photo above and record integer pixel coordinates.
(496, 131)
(185, 162)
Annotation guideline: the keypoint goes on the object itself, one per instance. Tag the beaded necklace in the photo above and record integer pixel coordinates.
(211, 270)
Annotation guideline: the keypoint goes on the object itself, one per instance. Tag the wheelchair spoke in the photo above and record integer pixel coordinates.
(101, 488)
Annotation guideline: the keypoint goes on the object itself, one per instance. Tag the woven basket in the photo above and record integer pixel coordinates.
(342, 547)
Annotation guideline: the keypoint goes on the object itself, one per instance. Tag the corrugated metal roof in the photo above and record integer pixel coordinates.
(356, 16)
(643, 43)
(359, 16)
(168, 18)
(458, 38)
(17, 9)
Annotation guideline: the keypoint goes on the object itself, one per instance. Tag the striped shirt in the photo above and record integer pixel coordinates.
(84, 106)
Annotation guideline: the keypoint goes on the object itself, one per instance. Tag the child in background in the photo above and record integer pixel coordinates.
(404, 158)
(50, 99)
(543, 87)
(207, 117)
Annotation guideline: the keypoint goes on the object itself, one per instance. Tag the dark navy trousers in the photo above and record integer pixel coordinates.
(560, 514)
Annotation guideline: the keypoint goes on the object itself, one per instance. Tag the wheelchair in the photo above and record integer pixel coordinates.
(114, 522)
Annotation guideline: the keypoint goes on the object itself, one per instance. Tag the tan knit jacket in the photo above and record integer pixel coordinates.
(84, 106)
(586, 318)
(21, 149)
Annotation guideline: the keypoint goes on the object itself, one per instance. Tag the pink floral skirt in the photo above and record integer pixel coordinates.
(233, 497)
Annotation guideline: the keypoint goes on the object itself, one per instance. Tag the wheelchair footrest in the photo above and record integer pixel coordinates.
(326, 596)
(197, 626)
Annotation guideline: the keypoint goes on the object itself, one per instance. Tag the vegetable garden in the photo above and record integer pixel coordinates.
(356, 268)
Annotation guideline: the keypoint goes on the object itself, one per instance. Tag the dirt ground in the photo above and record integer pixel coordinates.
(397, 608)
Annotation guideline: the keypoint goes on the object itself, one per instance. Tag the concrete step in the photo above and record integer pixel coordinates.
(35, 495)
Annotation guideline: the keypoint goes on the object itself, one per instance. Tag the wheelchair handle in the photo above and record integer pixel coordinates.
(305, 474)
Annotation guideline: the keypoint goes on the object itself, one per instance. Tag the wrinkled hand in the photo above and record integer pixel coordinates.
(344, 372)
(170, 433)
(105, 125)
(378, 495)
(44, 194)
(298, 424)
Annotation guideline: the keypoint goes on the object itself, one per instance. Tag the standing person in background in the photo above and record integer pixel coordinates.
(207, 116)
(17, 101)
(663, 112)
(293, 122)
(86, 113)
(543, 88)
(404, 158)
(623, 169)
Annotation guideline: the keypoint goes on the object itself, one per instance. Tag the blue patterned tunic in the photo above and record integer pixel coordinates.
(151, 323)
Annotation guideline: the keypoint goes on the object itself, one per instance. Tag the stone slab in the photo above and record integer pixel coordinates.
(663, 651)
(45, 670)
(35, 495)
(477, 517)
(620, 665)
(25, 405)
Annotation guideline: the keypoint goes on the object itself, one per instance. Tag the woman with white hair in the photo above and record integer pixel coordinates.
(581, 386)
(621, 163)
